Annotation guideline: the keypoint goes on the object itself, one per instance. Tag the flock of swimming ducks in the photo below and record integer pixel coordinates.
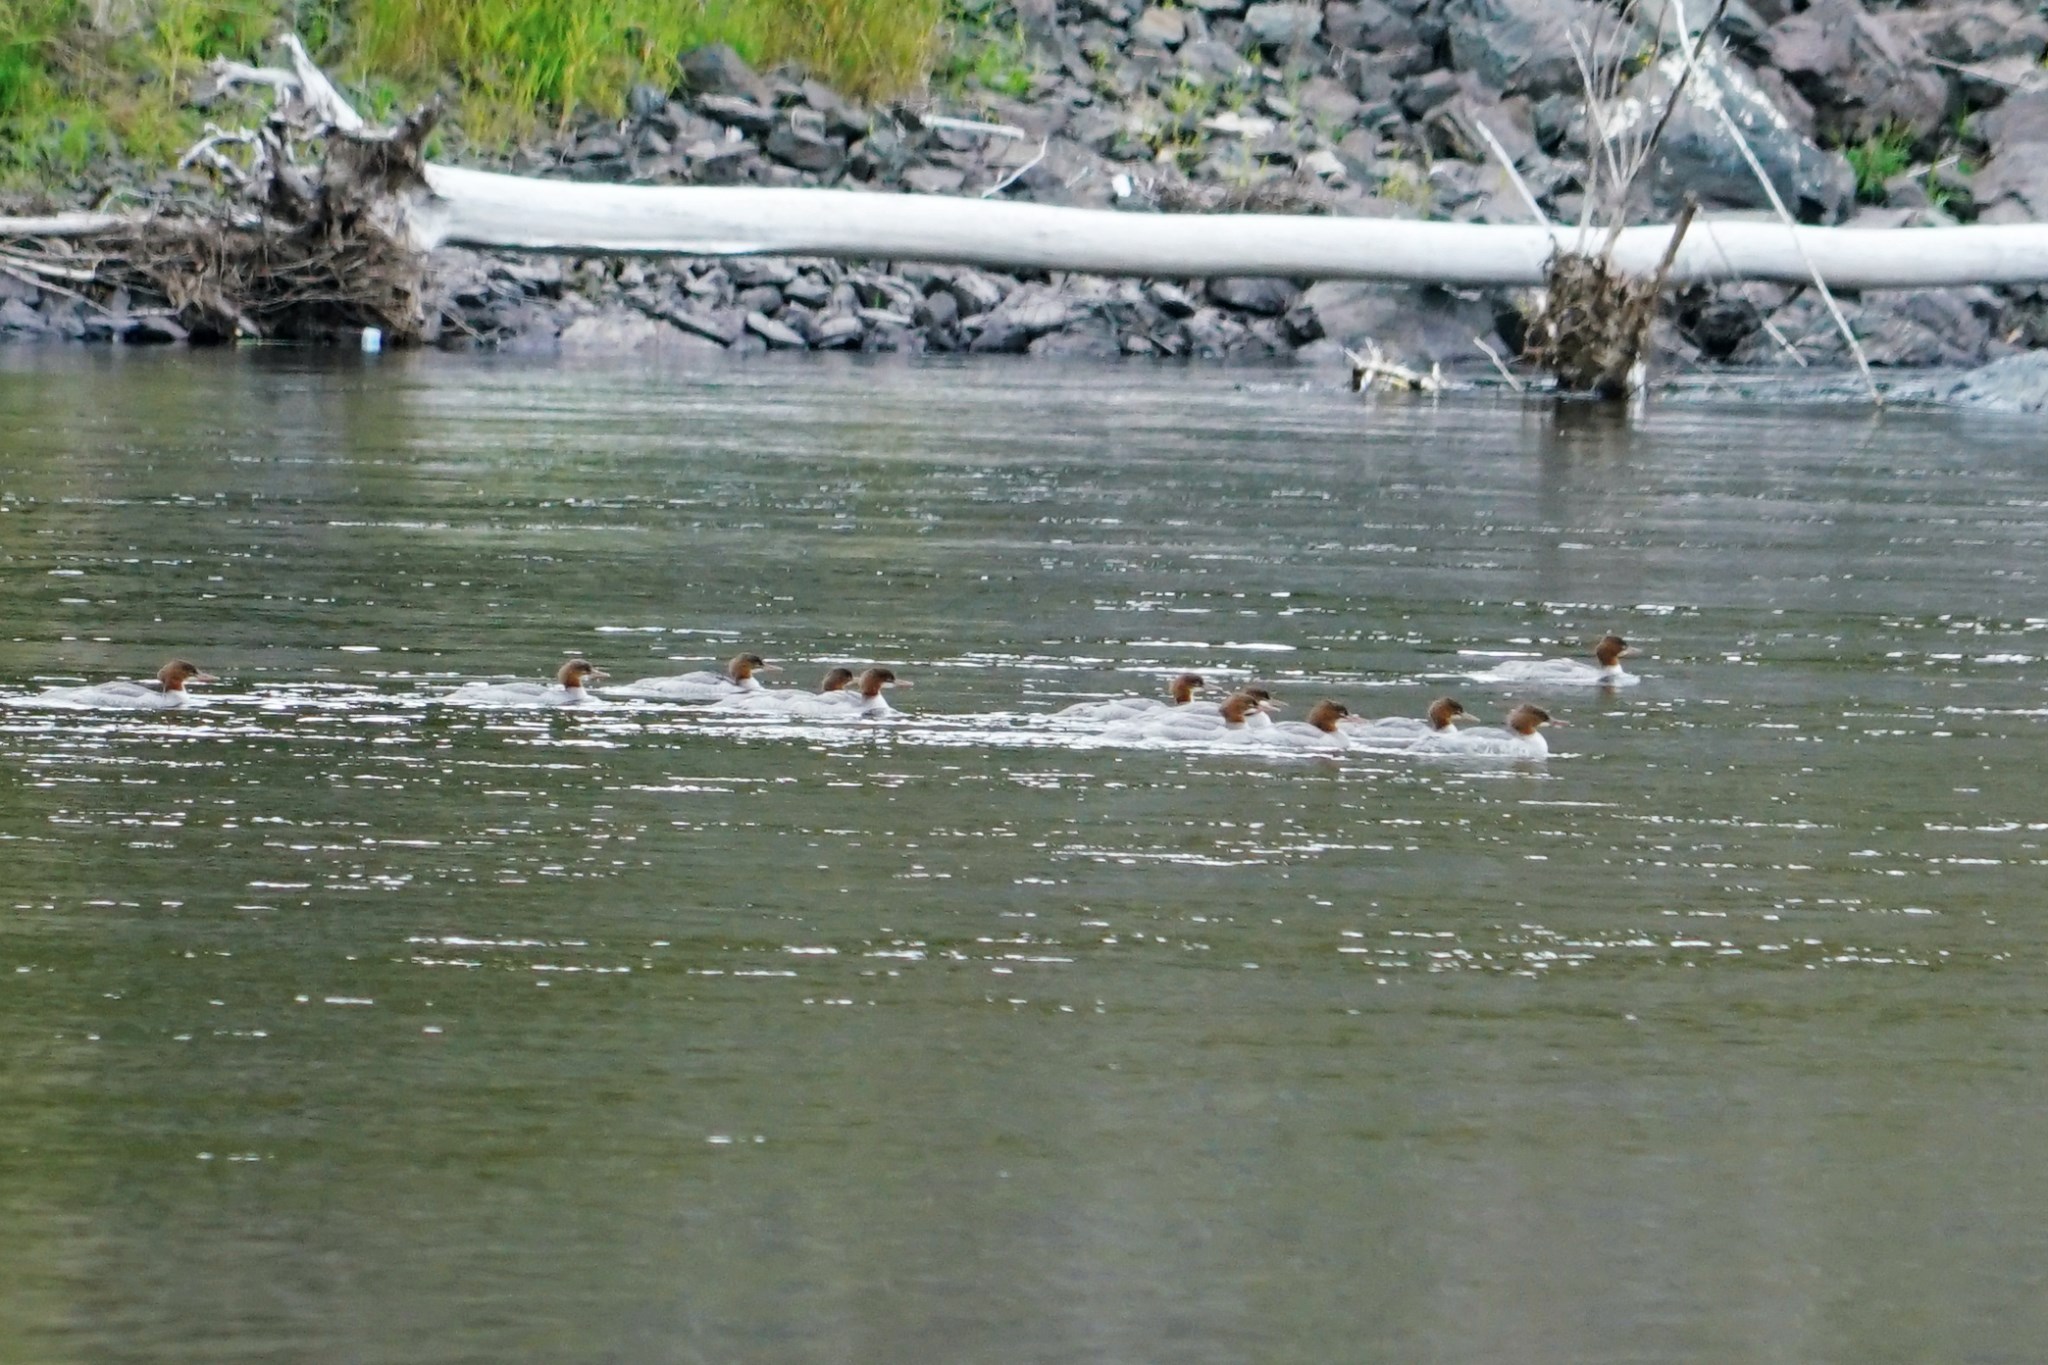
(1185, 715)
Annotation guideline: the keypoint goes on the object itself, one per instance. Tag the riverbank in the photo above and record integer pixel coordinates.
(1354, 107)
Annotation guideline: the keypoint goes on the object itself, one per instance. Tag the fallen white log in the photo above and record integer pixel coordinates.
(65, 224)
(486, 209)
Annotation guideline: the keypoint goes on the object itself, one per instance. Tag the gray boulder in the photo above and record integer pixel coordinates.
(1524, 47)
(1697, 156)
(718, 70)
(620, 331)
(779, 335)
(1266, 297)
(2012, 187)
(1282, 26)
(2015, 384)
(1417, 325)
(1860, 71)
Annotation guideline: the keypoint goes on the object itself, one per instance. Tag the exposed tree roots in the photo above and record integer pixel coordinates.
(305, 250)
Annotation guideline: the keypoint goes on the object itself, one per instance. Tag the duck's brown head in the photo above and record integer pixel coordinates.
(1243, 702)
(1526, 719)
(745, 666)
(1611, 650)
(1325, 714)
(577, 672)
(836, 680)
(1183, 688)
(175, 674)
(875, 679)
(1444, 711)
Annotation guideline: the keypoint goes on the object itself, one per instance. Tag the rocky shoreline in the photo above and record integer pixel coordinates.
(1360, 107)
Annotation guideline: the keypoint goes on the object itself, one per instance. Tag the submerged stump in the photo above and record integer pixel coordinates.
(1593, 330)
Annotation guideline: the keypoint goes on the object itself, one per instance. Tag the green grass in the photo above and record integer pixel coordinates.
(1878, 158)
(70, 94)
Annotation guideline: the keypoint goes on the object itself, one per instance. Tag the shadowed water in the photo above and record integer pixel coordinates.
(342, 1024)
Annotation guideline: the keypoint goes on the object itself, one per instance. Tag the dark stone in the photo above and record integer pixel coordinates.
(1976, 34)
(1860, 71)
(718, 70)
(736, 112)
(2015, 384)
(1427, 91)
(934, 179)
(837, 332)
(939, 311)
(1022, 318)
(1282, 25)
(975, 292)
(602, 147)
(1267, 297)
(1302, 326)
(16, 316)
(1525, 46)
(1421, 324)
(805, 150)
(152, 329)
(779, 336)
(1366, 26)
(748, 271)
(1731, 316)
(1091, 340)
(646, 101)
(807, 290)
(2012, 187)
(722, 325)
(1171, 300)
(1697, 156)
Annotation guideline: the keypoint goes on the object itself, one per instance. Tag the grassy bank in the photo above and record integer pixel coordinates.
(85, 79)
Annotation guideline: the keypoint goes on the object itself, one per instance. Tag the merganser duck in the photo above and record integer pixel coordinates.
(1181, 690)
(1608, 654)
(1521, 738)
(864, 702)
(1443, 713)
(763, 701)
(1317, 730)
(165, 692)
(1248, 708)
(568, 689)
(703, 685)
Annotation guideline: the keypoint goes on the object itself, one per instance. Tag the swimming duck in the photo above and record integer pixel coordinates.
(1443, 713)
(1181, 692)
(165, 692)
(568, 689)
(1605, 671)
(862, 702)
(702, 685)
(1317, 730)
(1522, 737)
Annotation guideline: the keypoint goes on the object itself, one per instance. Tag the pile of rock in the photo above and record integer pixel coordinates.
(1363, 107)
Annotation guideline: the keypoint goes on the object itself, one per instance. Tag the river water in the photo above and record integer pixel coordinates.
(343, 1025)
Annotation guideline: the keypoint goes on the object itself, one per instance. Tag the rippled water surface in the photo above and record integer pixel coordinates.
(338, 1024)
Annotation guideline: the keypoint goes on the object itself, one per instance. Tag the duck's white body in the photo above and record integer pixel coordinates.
(519, 694)
(164, 692)
(737, 680)
(1556, 673)
(1490, 743)
(568, 689)
(1604, 671)
(703, 686)
(115, 696)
